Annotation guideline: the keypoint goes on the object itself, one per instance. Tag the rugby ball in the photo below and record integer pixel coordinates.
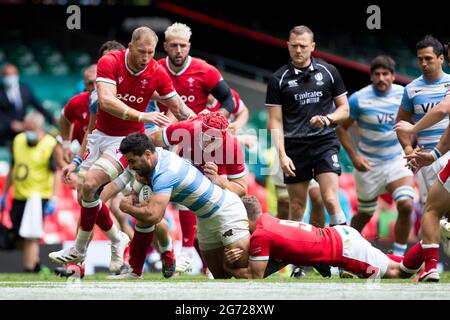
(144, 193)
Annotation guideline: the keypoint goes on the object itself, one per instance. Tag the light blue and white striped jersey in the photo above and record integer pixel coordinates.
(418, 98)
(375, 115)
(187, 185)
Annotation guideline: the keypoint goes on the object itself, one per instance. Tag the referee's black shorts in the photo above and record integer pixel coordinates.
(312, 156)
(16, 214)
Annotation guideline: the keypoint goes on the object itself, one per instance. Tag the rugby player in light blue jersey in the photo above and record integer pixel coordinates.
(419, 97)
(222, 220)
(438, 200)
(378, 158)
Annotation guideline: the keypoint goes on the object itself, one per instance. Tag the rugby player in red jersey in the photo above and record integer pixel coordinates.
(275, 243)
(126, 80)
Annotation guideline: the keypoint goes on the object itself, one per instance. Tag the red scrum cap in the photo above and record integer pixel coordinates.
(214, 124)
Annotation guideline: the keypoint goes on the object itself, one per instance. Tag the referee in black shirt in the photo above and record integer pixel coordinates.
(306, 98)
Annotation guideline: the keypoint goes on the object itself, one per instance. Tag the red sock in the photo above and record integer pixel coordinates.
(88, 216)
(414, 257)
(188, 222)
(430, 255)
(104, 220)
(126, 255)
(395, 258)
(139, 247)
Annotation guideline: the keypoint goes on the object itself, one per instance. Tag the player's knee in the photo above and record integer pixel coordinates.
(89, 188)
(404, 197)
(331, 200)
(367, 208)
(316, 198)
(296, 203)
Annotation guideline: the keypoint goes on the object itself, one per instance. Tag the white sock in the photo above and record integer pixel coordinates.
(337, 218)
(167, 247)
(114, 234)
(399, 249)
(82, 240)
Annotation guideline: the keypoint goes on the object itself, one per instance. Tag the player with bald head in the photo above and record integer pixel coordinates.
(126, 80)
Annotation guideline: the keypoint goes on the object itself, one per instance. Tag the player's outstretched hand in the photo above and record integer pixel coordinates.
(157, 118)
(67, 172)
(418, 159)
(404, 126)
(233, 255)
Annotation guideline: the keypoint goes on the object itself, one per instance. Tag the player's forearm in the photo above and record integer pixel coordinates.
(117, 108)
(346, 141)
(406, 141)
(434, 116)
(143, 214)
(444, 144)
(65, 128)
(58, 156)
(241, 120)
(238, 187)
(56, 183)
(341, 113)
(89, 130)
(179, 109)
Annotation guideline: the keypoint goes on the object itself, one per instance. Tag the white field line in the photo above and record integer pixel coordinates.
(156, 290)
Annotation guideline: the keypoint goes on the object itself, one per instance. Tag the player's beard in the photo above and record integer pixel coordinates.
(178, 62)
(144, 173)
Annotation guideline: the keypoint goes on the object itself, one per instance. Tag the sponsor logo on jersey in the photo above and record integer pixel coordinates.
(319, 78)
(120, 80)
(129, 98)
(292, 83)
(308, 97)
